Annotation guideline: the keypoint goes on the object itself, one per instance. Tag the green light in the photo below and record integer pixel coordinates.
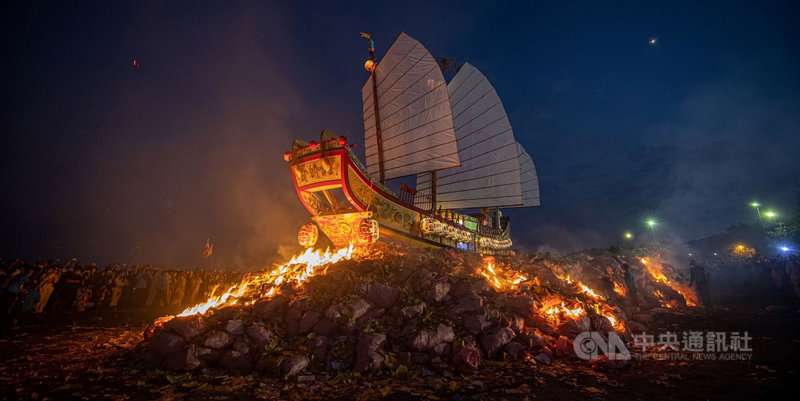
(651, 222)
(771, 214)
(755, 204)
(628, 235)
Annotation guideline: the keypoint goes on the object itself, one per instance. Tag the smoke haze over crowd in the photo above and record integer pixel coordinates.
(102, 160)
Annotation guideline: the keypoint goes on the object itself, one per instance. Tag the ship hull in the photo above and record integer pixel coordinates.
(340, 195)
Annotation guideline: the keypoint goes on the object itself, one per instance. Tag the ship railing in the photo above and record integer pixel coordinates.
(421, 200)
(490, 231)
(366, 173)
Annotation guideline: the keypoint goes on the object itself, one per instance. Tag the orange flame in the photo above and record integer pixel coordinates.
(553, 310)
(299, 269)
(582, 288)
(608, 312)
(556, 309)
(500, 279)
(656, 271)
(620, 289)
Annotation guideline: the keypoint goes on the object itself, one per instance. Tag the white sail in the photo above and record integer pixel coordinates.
(530, 180)
(489, 175)
(414, 110)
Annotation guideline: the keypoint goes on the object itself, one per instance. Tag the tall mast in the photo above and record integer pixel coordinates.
(371, 67)
(433, 191)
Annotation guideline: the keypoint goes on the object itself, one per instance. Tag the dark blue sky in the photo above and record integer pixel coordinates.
(99, 158)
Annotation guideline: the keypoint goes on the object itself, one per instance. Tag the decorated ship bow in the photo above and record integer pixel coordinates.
(454, 137)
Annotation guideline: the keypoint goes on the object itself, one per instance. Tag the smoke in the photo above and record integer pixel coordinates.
(726, 145)
(109, 163)
(729, 146)
(188, 147)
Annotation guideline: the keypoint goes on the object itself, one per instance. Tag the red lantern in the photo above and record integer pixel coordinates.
(368, 231)
(438, 227)
(308, 235)
(452, 233)
(427, 225)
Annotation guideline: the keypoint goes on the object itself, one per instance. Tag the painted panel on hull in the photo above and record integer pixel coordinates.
(341, 229)
(320, 170)
(387, 213)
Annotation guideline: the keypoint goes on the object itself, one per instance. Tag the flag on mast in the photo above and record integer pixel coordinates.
(208, 250)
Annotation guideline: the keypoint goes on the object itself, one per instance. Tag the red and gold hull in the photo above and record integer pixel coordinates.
(345, 203)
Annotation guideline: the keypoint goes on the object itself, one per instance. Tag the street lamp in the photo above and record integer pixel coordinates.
(652, 224)
(758, 209)
(771, 214)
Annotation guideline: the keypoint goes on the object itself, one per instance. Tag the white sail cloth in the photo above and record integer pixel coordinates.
(490, 174)
(530, 180)
(414, 110)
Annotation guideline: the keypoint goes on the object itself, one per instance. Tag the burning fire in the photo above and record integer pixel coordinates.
(595, 302)
(499, 278)
(743, 250)
(620, 289)
(298, 270)
(304, 266)
(583, 288)
(556, 309)
(656, 271)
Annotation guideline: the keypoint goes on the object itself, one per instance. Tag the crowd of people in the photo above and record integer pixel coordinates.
(54, 287)
(774, 279)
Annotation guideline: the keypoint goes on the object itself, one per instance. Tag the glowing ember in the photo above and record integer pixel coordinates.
(656, 271)
(620, 289)
(582, 288)
(743, 251)
(608, 312)
(555, 312)
(499, 278)
(297, 270)
(588, 291)
(554, 308)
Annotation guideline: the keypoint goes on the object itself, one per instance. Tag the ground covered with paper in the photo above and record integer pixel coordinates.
(398, 323)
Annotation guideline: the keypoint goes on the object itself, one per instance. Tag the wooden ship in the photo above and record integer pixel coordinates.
(454, 137)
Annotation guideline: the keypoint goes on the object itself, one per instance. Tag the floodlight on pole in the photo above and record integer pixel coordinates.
(758, 208)
(652, 224)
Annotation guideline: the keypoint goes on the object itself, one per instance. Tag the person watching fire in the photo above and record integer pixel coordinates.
(700, 277)
(630, 285)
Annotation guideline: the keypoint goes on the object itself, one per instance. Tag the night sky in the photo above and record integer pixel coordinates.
(99, 158)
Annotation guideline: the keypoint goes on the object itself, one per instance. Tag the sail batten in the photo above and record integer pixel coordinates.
(484, 176)
(390, 116)
(530, 180)
(455, 105)
(477, 156)
(489, 175)
(417, 132)
(455, 84)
